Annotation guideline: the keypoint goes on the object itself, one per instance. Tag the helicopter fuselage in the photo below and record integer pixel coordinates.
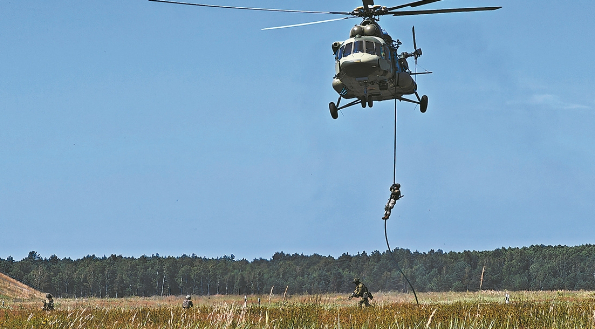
(366, 67)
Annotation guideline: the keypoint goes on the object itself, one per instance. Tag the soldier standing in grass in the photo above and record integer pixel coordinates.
(361, 291)
(187, 303)
(48, 303)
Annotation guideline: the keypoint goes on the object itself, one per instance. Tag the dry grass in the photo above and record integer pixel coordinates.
(34, 300)
(558, 309)
(12, 288)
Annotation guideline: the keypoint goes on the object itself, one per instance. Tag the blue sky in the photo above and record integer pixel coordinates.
(134, 127)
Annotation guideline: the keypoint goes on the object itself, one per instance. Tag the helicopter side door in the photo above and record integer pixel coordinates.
(385, 60)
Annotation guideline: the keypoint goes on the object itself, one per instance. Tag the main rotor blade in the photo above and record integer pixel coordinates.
(260, 9)
(304, 24)
(414, 4)
(440, 11)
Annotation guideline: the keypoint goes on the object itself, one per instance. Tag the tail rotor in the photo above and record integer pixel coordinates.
(416, 51)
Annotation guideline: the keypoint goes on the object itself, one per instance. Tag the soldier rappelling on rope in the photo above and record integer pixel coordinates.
(395, 194)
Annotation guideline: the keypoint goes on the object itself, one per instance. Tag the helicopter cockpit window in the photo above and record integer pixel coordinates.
(370, 49)
(358, 47)
(340, 52)
(347, 50)
(378, 50)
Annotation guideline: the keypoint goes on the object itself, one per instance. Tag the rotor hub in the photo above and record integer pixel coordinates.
(370, 12)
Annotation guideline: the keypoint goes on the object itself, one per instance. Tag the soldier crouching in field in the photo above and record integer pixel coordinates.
(48, 303)
(361, 291)
(187, 303)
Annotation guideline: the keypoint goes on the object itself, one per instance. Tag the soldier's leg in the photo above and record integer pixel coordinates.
(391, 203)
(386, 214)
(389, 206)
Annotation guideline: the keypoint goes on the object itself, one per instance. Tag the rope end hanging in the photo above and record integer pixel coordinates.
(397, 263)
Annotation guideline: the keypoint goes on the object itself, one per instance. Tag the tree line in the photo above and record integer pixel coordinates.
(537, 267)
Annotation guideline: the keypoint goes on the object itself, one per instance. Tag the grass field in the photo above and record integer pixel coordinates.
(560, 309)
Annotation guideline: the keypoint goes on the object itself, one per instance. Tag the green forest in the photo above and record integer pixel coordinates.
(537, 267)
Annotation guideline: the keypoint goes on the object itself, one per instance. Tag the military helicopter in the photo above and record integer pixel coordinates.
(368, 66)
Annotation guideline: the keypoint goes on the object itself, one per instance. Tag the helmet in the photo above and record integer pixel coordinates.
(188, 297)
(356, 280)
(48, 296)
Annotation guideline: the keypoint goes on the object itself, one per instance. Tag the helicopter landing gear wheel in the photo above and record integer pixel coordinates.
(370, 101)
(333, 108)
(423, 104)
(364, 102)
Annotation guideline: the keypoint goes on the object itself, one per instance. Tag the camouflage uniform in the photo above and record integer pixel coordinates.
(395, 194)
(48, 303)
(187, 303)
(361, 291)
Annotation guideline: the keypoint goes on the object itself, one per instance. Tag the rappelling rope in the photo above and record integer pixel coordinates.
(395, 146)
(397, 262)
(394, 180)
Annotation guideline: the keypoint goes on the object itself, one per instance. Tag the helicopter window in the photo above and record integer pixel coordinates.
(358, 47)
(347, 50)
(340, 52)
(386, 52)
(378, 51)
(370, 48)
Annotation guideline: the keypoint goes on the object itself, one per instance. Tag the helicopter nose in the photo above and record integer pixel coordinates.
(358, 68)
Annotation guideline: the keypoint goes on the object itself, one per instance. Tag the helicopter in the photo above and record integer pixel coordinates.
(368, 65)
